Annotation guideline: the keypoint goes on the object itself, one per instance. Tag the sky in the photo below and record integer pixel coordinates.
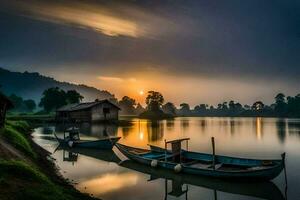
(192, 51)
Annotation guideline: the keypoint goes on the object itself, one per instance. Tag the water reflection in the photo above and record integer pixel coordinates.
(264, 190)
(155, 131)
(185, 123)
(281, 129)
(241, 137)
(170, 124)
(259, 127)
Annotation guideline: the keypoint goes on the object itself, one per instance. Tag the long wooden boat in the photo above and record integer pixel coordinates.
(263, 190)
(217, 166)
(105, 143)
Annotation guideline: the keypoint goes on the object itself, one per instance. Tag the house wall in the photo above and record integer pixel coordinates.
(81, 115)
(98, 115)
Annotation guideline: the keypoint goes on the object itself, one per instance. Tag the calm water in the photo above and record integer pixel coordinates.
(98, 172)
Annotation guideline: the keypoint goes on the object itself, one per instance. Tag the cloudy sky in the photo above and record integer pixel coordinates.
(194, 51)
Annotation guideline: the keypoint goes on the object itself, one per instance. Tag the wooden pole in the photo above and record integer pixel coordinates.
(214, 153)
(165, 150)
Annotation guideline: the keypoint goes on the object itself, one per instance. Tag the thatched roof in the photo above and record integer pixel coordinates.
(84, 106)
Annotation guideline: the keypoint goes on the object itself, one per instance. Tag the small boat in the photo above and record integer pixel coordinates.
(263, 190)
(210, 165)
(72, 139)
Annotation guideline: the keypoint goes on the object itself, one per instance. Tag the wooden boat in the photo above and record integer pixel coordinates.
(72, 139)
(217, 166)
(262, 190)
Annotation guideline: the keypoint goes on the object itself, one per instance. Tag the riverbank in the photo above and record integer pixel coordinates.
(27, 170)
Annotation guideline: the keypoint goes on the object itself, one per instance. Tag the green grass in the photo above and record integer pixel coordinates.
(23, 181)
(12, 132)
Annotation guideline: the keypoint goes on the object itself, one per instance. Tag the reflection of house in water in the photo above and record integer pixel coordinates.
(281, 129)
(99, 130)
(91, 129)
(155, 131)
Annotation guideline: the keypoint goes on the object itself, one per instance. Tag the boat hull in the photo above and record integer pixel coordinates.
(97, 144)
(254, 175)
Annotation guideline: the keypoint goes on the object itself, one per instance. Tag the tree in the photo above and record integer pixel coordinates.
(258, 106)
(139, 109)
(280, 104)
(72, 96)
(185, 109)
(53, 98)
(30, 104)
(202, 108)
(154, 100)
(17, 102)
(127, 105)
(169, 108)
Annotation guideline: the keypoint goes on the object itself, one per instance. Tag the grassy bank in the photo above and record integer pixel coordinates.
(25, 171)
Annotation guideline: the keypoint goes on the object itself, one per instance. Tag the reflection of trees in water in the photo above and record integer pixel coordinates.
(281, 129)
(185, 124)
(203, 124)
(294, 127)
(155, 131)
(126, 131)
(170, 124)
(232, 125)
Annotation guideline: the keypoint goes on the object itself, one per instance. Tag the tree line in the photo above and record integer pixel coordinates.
(55, 97)
(282, 107)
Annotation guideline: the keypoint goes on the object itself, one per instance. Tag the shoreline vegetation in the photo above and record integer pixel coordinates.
(27, 170)
(156, 108)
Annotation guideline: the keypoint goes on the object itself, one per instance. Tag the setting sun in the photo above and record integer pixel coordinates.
(141, 92)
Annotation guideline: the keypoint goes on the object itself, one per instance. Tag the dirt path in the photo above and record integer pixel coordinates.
(9, 152)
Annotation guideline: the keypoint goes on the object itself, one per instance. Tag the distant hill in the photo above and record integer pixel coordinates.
(31, 86)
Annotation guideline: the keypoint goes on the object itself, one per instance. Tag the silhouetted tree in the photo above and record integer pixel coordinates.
(185, 109)
(139, 109)
(293, 106)
(258, 106)
(30, 104)
(280, 104)
(72, 96)
(127, 105)
(154, 100)
(17, 102)
(53, 98)
(169, 108)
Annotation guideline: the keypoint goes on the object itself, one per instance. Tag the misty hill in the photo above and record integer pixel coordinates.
(31, 86)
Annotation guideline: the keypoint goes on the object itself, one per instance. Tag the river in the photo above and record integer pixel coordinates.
(99, 173)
